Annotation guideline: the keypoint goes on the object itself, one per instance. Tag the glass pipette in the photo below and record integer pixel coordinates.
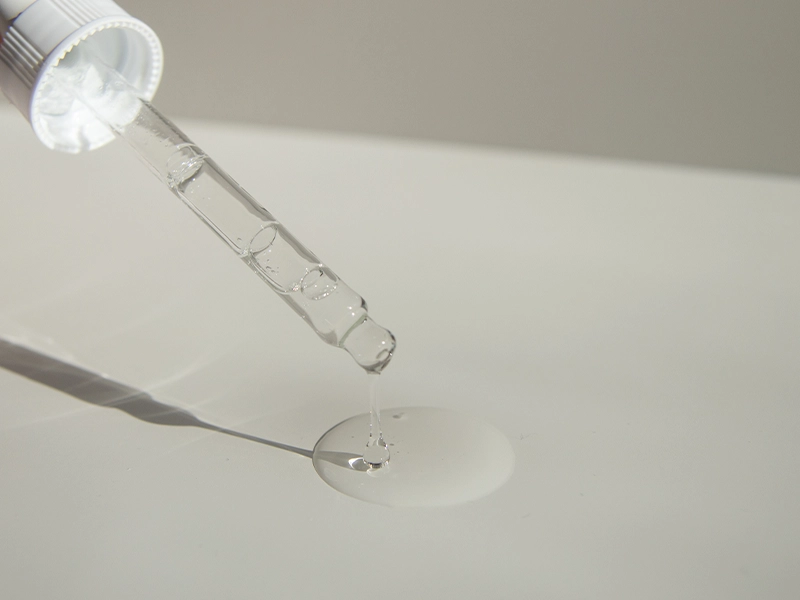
(335, 312)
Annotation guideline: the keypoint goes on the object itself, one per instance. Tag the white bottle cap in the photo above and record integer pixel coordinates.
(37, 36)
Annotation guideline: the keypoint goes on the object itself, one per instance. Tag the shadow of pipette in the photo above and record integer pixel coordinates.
(101, 391)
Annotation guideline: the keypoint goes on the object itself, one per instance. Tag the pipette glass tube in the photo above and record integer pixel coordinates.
(335, 312)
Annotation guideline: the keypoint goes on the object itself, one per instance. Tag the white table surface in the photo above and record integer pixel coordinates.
(634, 330)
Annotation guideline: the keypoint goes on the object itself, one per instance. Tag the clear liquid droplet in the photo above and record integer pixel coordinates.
(376, 455)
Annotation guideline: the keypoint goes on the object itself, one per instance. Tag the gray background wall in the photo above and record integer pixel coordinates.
(701, 82)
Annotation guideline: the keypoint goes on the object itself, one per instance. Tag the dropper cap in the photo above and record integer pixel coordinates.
(37, 35)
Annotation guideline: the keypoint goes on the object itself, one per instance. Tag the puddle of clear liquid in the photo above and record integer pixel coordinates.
(438, 458)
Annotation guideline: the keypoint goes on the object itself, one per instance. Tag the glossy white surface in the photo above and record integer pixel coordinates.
(634, 331)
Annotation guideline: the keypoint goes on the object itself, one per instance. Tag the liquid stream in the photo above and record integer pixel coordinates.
(376, 454)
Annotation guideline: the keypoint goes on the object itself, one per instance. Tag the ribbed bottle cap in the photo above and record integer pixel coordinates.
(41, 35)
